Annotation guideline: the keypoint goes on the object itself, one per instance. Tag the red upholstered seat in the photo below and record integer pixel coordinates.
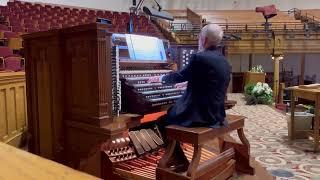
(5, 52)
(8, 34)
(30, 26)
(18, 29)
(4, 27)
(100, 13)
(15, 23)
(47, 6)
(44, 27)
(32, 17)
(13, 64)
(2, 65)
(31, 30)
(92, 12)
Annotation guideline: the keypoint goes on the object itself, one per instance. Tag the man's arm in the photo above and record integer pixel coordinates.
(176, 77)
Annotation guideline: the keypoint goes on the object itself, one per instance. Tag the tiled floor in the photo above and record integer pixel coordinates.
(267, 132)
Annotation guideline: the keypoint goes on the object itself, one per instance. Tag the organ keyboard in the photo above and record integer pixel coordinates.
(139, 96)
(142, 97)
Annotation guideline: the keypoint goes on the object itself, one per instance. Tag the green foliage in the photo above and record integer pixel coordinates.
(248, 89)
(264, 99)
(310, 108)
(259, 93)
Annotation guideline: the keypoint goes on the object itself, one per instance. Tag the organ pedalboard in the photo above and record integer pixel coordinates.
(137, 154)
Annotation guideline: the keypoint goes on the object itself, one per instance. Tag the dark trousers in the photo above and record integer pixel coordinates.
(162, 123)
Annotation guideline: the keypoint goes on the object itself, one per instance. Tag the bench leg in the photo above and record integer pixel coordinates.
(243, 139)
(242, 152)
(174, 156)
(194, 162)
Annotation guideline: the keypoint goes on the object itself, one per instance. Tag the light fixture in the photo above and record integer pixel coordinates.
(158, 13)
(277, 56)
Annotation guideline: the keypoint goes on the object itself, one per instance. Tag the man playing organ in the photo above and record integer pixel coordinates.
(206, 78)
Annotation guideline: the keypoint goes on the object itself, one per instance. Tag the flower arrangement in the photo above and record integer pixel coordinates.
(259, 93)
(257, 69)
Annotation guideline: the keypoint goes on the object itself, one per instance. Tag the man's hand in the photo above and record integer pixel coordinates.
(181, 85)
(154, 79)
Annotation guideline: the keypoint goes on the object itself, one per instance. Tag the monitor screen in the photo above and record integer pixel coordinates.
(144, 48)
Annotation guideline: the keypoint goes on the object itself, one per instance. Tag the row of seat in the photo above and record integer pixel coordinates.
(242, 19)
(23, 17)
(312, 13)
(32, 17)
(244, 16)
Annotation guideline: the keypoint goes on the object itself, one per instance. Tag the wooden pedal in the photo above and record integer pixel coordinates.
(148, 138)
(155, 137)
(136, 143)
(142, 141)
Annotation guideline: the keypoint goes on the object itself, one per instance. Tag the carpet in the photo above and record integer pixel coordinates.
(267, 132)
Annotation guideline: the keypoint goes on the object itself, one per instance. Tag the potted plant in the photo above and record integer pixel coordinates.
(255, 75)
(259, 93)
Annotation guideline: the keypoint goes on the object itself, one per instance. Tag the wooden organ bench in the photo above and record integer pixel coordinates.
(221, 167)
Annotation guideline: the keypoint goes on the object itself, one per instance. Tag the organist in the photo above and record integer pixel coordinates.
(206, 79)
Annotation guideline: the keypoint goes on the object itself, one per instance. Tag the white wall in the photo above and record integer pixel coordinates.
(312, 66)
(123, 5)
(239, 62)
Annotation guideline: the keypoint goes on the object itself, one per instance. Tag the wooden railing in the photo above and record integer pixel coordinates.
(188, 27)
(301, 13)
(306, 17)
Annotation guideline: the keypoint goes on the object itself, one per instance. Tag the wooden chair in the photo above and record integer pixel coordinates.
(220, 167)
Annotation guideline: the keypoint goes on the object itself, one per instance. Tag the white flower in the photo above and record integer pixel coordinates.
(254, 90)
(259, 83)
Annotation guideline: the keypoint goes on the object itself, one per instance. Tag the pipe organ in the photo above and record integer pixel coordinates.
(88, 98)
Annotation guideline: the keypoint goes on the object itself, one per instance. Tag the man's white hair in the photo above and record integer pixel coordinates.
(213, 33)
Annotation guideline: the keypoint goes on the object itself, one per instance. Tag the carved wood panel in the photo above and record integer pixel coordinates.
(13, 116)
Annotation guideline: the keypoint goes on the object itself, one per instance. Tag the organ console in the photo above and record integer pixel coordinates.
(88, 98)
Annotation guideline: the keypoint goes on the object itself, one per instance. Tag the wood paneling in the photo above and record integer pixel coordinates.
(69, 94)
(13, 116)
